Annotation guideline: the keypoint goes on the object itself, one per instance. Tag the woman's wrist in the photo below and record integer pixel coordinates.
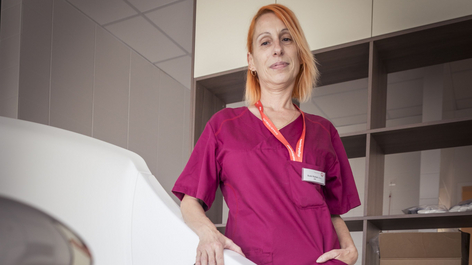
(205, 230)
(349, 245)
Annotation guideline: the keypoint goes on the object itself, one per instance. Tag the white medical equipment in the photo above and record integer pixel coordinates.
(66, 198)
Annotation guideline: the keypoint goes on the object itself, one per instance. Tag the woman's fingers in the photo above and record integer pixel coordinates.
(328, 255)
(210, 250)
(211, 258)
(219, 255)
(198, 259)
(346, 255)
(232, 246)
(210, 254)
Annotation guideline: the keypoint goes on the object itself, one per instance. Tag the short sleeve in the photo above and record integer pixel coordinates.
(200, 177)
(340, 191)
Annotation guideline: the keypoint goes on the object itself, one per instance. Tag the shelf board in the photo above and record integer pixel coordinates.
(412, 137)
(337, 64)
(428, 45)
(354, 224)
(228, 86)
(425, 136)
(421, 221)
(343, 63)
(407, 221)
(355, 145)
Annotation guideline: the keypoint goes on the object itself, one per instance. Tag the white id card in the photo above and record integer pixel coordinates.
(314, 176)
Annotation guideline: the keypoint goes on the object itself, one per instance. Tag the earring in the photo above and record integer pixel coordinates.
(253, 73)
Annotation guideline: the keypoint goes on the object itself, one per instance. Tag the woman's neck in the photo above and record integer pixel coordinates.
(277, 100)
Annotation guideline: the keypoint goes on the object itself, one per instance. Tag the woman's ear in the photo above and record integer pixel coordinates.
(250, 62)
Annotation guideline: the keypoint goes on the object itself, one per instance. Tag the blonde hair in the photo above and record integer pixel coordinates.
(308, 74)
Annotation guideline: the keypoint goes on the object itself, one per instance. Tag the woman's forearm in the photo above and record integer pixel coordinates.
(344, 236)
(347, 252)
(212, 242)
(345, 240)
(194, 216)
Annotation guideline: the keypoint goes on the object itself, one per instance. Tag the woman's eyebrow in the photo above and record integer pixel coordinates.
(262, 33)
(284, 30)
(268, 33)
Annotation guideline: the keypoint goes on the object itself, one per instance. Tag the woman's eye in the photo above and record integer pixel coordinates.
(264, 43)
(286, 39)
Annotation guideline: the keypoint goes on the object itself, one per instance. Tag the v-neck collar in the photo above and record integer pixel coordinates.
(286, 125)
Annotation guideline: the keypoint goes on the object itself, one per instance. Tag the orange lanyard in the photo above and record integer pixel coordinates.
(294, 156)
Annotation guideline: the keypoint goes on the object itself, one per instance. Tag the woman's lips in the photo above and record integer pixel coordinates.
(279, 65)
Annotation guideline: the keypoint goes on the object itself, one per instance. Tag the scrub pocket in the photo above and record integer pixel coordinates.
(258, 256)
(303, 194)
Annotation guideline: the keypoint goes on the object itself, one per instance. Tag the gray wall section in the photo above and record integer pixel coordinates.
(72, 69)
(36, 33)
(10, 57)
(75, 75)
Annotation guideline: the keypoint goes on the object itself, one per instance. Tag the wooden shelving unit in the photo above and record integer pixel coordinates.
(374, 58)
(421, 221)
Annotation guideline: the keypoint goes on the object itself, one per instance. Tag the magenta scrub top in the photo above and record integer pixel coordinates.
(274, 216)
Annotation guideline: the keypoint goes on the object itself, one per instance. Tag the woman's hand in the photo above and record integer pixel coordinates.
(212, 242)
(211, 246)
(347, 255)
(348, 252)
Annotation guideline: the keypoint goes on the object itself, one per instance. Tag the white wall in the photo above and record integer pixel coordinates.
(358, 169)
(455, 174)
(401, 182)
(351, 115)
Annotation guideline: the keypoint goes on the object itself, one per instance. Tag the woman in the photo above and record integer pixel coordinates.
(284, 174)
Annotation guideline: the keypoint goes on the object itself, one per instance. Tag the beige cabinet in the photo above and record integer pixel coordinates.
(221, 28)
(221, 25)
(394, 15)
(221, 33)
(329, 23)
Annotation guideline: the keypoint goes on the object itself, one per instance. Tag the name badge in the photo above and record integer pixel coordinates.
(314, 176)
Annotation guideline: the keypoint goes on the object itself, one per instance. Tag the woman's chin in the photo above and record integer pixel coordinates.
(282, 81)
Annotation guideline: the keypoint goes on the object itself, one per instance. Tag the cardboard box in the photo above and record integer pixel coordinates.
(417, 248)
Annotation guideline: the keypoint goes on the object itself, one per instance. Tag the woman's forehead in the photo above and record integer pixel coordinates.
(268, 21)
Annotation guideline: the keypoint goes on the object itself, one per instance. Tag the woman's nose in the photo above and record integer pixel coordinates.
(278, 49)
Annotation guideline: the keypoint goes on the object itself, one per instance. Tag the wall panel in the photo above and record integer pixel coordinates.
(170, 119)
(72, 69)
(144, 107)
(111, 89)
(35, 61)
(9, 58)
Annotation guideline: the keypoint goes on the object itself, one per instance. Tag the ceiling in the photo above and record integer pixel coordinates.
(159, 30)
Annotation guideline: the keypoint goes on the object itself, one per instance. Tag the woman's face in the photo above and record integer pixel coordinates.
(275, 54)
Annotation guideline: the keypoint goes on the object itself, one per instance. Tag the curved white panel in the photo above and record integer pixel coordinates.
(103, 192)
